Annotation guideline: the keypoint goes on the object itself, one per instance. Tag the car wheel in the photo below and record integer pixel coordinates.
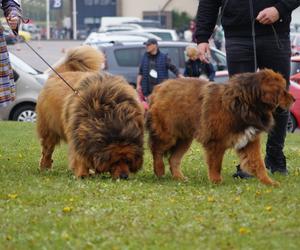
(25, 113)
(292, 124)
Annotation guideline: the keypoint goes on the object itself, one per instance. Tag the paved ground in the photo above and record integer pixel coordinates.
(51, 51)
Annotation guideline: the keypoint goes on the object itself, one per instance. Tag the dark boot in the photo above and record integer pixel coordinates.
(275, 160)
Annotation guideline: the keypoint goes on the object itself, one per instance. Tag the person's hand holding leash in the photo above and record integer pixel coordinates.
(13, 22)
(268, 15)
(204, 52)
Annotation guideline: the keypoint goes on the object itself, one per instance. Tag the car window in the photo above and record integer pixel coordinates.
(163, 35)
(129, 57)
(295, 68)
(173, 54)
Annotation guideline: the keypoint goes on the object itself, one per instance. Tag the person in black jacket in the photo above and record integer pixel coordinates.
(195, 68)
(257, 36)
(154, 69)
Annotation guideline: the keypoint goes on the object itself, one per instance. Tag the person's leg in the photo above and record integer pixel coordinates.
(275, 55)
(239, 55)
(240, 59)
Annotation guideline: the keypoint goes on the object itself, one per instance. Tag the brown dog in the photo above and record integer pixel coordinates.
(103, 126)
(219, 116)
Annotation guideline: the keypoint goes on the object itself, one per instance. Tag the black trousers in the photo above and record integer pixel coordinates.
(273, 53)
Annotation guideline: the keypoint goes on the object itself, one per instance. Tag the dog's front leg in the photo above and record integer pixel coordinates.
(78, 164)
(214, 157)
(251, 161)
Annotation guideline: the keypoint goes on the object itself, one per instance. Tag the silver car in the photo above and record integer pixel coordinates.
(29, 83)
(124, 58)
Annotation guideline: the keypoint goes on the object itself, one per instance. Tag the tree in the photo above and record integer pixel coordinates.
(180, 20)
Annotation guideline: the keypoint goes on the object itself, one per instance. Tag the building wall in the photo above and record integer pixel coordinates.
(136, 8)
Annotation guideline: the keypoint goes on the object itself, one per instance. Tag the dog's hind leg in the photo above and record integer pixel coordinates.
(252, 162)
(177, 153)
(214, 158)
(48, 144)
(159, 148)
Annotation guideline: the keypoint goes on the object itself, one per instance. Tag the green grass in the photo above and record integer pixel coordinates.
(144, 212)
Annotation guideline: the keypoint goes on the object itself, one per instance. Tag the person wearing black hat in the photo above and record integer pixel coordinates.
(153, 69)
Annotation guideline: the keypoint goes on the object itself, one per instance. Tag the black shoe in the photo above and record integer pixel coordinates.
(241, 174)
(276, 164)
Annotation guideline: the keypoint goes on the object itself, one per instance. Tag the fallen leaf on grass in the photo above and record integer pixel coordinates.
(268, 208)
(257, 193)
(67, 209)
(211, 199)
(12, 196)
(237, 199)
(244, 230)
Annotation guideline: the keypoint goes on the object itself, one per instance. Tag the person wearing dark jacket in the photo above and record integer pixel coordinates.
(257, 35)
(195, 68)
(154, 68)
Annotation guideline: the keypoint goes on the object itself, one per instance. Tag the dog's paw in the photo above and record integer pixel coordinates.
(216, 180)
(180, 177)
(159, 172)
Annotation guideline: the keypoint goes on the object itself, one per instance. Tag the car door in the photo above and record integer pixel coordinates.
(127, 62)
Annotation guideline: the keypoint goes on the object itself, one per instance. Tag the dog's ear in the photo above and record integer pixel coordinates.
(273, 87)
(242, 97)
(285, 100)
(242, 92)
(230, 99)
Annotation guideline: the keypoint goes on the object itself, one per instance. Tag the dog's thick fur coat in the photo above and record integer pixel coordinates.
(103, 125)
(219, 116)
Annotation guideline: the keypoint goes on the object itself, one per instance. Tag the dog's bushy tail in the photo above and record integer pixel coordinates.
(82, 58)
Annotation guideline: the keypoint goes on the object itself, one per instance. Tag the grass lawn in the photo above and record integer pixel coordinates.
(53, 210)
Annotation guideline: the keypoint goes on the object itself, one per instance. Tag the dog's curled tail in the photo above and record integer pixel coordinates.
(83, 58)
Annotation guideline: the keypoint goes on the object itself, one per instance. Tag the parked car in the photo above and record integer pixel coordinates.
(115, 20)
(294, 120)
(29, 83)
(295, 44)
(164, 34)
(96, 38)
(33, 29)
(124, 58)
(146, 23)
(295, 69)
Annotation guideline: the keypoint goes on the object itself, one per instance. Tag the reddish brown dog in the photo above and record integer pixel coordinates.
(103, 126)
(219, 116)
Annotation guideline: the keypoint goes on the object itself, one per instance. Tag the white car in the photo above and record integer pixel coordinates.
(29, 83)
(164, 34)
(112, 37)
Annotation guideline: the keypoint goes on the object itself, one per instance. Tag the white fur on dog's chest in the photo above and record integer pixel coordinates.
(243, 139)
